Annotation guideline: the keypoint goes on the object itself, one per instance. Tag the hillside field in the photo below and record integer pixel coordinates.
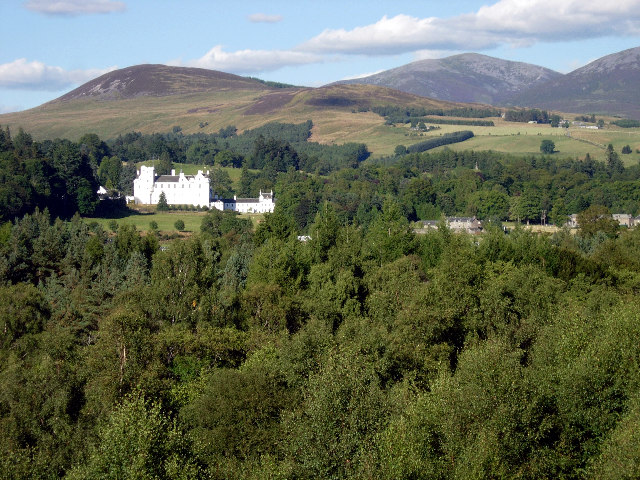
(525, 139)
(333, 124)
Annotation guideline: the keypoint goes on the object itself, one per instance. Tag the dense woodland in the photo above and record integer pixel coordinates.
(366, 352)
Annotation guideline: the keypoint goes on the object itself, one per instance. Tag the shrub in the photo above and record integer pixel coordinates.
(547, 146)
(179, 225)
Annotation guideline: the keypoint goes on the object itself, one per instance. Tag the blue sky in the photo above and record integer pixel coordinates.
(49, 47)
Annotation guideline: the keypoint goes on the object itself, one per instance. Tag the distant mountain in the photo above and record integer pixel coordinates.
(609, 85)
(469, 77)
(159, 81)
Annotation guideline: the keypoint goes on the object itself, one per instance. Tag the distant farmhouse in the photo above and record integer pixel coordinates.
(623, 219)
(194, 190)
(457, 224)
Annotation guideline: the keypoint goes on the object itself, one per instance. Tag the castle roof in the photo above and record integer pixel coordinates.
(174, 178)
(168, 178)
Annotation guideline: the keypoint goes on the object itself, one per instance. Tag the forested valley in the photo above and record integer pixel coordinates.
(367, 351)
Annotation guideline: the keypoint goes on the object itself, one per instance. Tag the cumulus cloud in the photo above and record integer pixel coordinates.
(507, 22)
(252, 61)
(74, 7)
(264, 18)
(24, 75)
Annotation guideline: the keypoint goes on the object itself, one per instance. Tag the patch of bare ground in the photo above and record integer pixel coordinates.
(212, 109)
(270, 102)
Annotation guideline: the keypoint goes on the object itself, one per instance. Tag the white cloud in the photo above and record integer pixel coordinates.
(264, 18)
(251, 61)
(566, 20)
(10, 108)
(392, 35)
(24, 75)
(507, 22)
(361, 75)
(74, 7)
(433, 54)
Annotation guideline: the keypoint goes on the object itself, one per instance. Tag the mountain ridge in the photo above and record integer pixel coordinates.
(467, 77)
(608, 85)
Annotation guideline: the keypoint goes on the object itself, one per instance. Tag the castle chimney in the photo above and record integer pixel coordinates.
(173, 172)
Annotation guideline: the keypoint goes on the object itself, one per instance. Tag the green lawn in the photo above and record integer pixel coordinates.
(165, 220)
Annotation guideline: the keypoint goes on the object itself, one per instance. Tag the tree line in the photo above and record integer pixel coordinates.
(57, 173)
(527, 115)
(270, 143)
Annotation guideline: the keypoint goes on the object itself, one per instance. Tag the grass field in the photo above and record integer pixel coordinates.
(165, 220)
(525, 139)
(142, 217)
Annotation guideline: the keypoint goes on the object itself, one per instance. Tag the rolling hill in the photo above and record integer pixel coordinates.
(155, 98)
(158, 98)
(158, 81)
(468, 77)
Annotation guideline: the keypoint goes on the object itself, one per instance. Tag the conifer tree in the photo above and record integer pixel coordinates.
(163, 206)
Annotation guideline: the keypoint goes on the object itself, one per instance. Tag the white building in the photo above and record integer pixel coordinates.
(178, 189)
(624, 219)
(263, 204)
(457, 224)
(192, 190)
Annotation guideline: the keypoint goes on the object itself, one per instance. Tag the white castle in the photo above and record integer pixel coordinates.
(192, 190)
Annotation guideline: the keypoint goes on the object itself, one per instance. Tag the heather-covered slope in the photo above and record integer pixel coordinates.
(159, 81)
